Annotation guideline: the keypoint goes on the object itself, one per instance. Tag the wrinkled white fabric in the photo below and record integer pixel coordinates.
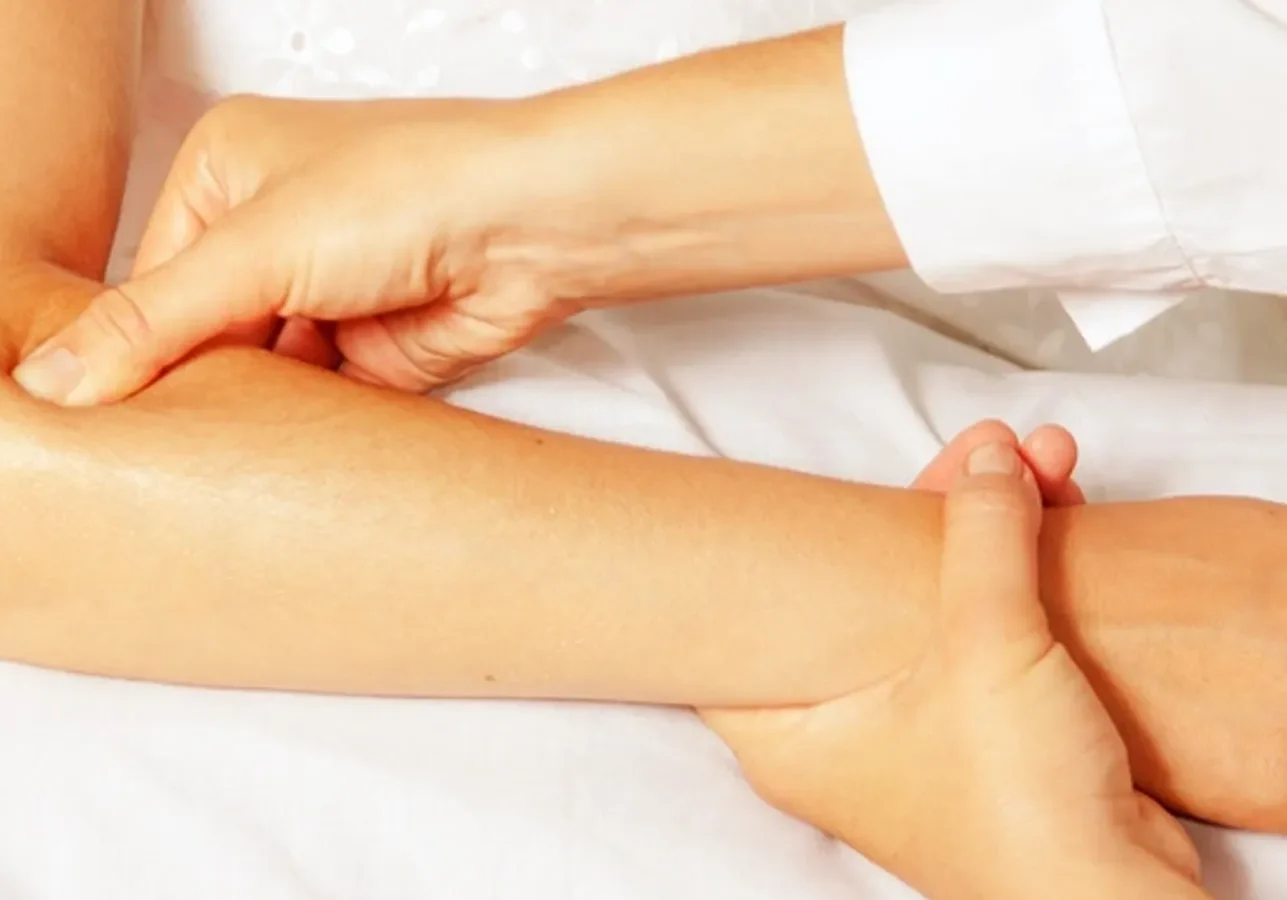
(480, 47)
(1111, 146)
(1104, 317)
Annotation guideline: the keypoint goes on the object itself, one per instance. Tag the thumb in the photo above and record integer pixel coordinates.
(989, 591)
(129, 334)
(183, 210)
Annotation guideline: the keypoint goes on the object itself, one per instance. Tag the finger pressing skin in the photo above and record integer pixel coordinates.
(991, 610)
(128, 335)
(1051, 453)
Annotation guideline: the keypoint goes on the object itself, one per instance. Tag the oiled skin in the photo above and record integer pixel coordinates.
(316, 534)
(323, 535)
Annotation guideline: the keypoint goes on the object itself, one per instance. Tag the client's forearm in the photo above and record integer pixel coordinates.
(253, 522)
(248, 521)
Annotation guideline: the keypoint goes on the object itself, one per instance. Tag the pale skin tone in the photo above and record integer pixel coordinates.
(547, 215)
(995, 768)
(499, 560)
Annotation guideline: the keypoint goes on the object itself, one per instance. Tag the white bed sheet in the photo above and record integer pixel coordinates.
(112, 790)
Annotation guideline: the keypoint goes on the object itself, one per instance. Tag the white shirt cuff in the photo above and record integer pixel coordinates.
(1000, 139)
(1103, 318)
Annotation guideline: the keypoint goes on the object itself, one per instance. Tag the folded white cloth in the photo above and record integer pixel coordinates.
(1094, 145)
(1103, 317)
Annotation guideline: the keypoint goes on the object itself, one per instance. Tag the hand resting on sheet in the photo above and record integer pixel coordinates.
(250, 481)
(988, 768)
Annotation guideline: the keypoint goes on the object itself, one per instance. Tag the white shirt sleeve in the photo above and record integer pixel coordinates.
(1090, 145)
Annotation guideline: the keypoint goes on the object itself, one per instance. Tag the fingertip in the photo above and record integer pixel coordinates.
(989, 430)
(109, 351)
(1054, 450)
(1052, 453)
(993, 458)
(1000, 467)
(994, 483)
(942, 471)
(51, 373)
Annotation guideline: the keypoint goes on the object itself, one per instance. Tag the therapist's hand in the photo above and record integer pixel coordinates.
(282, 217)
(443, 234)
(990, 768)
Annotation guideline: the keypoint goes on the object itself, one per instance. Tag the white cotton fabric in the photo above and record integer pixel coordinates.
(1099, 147)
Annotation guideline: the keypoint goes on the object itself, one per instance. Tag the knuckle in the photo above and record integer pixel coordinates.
(991, 498)
(116, 321)
(217, 125)
(220, 144)
(458, 342)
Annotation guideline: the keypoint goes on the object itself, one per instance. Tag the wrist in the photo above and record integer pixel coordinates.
(1172, 610)
(733, 168)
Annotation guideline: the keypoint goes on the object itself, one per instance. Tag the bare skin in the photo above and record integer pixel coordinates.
(989, 768)
(480, 567)
(485, 223)
(316, 553)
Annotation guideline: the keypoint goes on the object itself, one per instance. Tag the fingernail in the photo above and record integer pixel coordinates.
(992, 459)
(50, 374)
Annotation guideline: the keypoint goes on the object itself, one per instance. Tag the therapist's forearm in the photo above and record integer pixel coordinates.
(65, 109)
(734, 167)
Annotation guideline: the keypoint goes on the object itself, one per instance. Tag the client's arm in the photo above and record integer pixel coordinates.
(65, 107)
(249, 521)
(308, 533)
(254, 522)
